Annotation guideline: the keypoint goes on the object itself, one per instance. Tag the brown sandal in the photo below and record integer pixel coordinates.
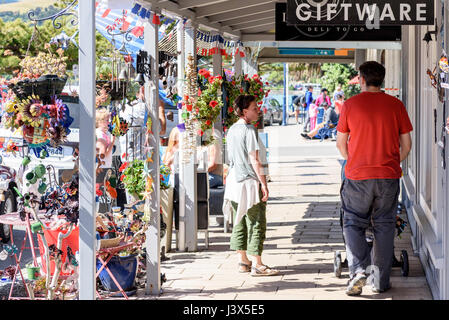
(263, 271)
(244, 268)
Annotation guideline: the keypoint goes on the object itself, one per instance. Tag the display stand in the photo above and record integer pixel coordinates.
(13, 219)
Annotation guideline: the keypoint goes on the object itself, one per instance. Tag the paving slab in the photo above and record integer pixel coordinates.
(303, 233)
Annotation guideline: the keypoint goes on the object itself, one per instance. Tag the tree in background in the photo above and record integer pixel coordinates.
(335, 74)
(15, 37)
(298, 73)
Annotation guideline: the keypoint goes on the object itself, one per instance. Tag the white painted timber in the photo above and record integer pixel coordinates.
(87, 226)
(152, 205)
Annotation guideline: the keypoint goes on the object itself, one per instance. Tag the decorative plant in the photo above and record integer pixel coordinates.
(255, 88)
(133, 177)
(209, 104)
(45, 63)
(233, 90)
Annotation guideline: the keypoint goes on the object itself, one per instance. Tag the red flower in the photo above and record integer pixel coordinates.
(211, 80)
(233, 83)
(266, 83)
(213, 103)
(205, 73)
(123, 166)
(124, 155)
(189, 107)
(230, 110)
(256, 76)
(122, 177)
(199, 92)
(208, 122)
(219, 77)
(200, 132)
(186, 98)
(241, 90)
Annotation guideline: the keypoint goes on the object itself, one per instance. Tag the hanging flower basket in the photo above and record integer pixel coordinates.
(45, 87)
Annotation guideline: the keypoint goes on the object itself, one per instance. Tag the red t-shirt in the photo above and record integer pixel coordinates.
(374, 121)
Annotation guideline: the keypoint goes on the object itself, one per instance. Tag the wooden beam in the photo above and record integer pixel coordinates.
(227, 6)
(188, 4)
(255, 24)
(261, 28)
(239, 13)
(250, 18)
(258, 37)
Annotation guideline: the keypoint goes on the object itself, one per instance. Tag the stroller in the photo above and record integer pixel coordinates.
(400, 226)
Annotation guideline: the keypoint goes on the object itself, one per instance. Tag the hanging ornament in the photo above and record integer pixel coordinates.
(156, 20)
(444, 64)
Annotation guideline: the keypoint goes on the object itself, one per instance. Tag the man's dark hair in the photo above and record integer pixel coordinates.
(242, 102)
(310, 87)
(324, 90)
(373, 73)
(339, 96)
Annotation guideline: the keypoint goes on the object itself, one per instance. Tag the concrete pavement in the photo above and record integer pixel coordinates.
(303, 234)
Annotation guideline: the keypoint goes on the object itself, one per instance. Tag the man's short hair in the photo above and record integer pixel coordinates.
(373, 73)
(339, 96)
(324, 89)
(324, 104)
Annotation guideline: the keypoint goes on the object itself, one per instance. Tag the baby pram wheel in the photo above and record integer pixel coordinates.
(404, 263)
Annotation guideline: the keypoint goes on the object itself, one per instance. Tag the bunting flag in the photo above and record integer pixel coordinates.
(113, 16)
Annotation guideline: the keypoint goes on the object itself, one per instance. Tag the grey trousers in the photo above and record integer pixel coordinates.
(364, 202)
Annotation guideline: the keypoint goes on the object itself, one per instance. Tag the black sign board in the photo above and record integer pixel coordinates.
(285, 32)
(360, 12)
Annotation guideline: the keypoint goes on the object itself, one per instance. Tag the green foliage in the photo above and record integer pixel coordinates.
(15, 38)
(209, 103)
(335, 74)
(133, 178)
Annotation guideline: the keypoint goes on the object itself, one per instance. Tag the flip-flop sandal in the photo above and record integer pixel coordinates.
(263, 271)
(244, 268)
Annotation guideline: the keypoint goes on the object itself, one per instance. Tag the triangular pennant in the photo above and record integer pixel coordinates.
(143, 13)
(136, 8)
(106, 13)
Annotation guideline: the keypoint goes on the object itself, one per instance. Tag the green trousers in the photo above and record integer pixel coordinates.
(250, 233)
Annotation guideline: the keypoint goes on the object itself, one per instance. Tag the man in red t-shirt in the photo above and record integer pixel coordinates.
(374, 137)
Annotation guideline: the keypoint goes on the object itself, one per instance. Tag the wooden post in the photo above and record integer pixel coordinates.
(87, 150)
(152, 204)
(188, 225)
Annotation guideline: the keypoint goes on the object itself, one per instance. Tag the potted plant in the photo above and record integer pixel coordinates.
(209, 103)
(43, 75)
(133, 178)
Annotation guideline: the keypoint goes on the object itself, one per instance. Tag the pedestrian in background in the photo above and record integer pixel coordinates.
(246, 191)
(324, 97)
(313, 114)
(308, 102)
(339, 104)
(374, 137)
(338, 92)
